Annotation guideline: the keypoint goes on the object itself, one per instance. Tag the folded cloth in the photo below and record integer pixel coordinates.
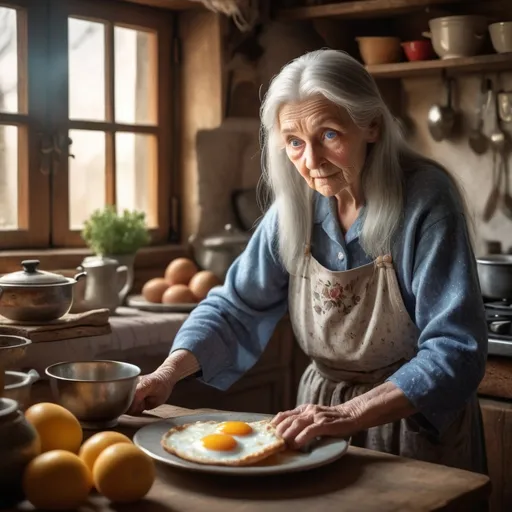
(162, 412)
(71, 325)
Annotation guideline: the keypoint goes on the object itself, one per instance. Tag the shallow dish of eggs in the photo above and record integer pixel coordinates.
(231, 443)
(181, 288)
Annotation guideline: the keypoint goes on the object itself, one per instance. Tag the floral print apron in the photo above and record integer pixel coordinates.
(355, 328)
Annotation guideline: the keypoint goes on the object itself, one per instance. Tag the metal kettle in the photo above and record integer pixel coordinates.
(216, 253)
(106, 283)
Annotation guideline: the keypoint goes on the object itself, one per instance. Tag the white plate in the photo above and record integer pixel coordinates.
(324, 452)
(139, 302)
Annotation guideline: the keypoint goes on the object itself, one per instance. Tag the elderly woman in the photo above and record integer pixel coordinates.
(366, 245)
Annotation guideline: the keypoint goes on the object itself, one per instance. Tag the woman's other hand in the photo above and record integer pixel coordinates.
(306, 422)
(152, 390)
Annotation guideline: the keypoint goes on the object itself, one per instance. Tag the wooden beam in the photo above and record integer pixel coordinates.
(201, 100)
(359, 9)
(173, 5)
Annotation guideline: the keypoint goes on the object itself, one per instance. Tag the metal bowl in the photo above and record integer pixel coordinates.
(18, 386)
(12, 350)
(96, 392)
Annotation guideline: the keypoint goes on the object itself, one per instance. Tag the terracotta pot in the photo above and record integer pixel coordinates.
(379, 50)
(418, 50)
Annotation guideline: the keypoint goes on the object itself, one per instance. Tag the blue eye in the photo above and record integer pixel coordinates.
(295, 143)
(330, 134)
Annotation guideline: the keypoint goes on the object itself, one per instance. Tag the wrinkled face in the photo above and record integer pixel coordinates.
(324, 144)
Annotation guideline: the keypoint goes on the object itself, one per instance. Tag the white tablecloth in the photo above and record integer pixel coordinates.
(137, 336)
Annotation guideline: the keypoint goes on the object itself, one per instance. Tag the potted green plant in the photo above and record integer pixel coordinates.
(119, 236)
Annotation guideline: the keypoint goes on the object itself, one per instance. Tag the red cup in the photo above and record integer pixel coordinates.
(418, 50)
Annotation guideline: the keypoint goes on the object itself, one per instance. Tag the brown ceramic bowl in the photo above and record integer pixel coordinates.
(379, 50)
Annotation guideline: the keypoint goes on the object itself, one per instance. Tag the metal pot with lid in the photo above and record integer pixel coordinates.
(217, 252)
(495, 276)
(32, 295)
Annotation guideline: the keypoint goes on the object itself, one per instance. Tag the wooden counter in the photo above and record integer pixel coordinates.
(361, 481)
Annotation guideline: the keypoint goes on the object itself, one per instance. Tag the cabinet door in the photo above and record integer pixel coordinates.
(497, 418)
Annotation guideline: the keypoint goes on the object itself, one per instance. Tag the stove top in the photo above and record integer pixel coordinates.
(499, 324)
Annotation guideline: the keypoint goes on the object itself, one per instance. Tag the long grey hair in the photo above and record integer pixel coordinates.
(345, 82)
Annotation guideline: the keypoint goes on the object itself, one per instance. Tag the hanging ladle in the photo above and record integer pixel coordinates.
(498, 141)
(496, 137)
(477, 140)
(441, 119)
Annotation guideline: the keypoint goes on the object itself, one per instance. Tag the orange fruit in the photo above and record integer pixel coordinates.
(57, 480)
(90, 450)
(123, 473)
(58, 428)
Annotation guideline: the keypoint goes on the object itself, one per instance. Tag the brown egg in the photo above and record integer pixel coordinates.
(202, 283)
(153, 290)
(180, 271)
(178, 294)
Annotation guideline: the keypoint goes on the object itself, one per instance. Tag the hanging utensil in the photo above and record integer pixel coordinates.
(491, 204)
(506, 198)
(477, 140)
(441, 119)
(496, 137)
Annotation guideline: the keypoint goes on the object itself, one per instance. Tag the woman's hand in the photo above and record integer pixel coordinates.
(302, 424)
(384, 403)
(152, 390)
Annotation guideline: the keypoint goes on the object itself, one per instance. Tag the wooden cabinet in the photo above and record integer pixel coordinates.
(497, 418)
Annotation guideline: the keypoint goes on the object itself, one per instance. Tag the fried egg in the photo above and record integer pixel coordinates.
(229, 443)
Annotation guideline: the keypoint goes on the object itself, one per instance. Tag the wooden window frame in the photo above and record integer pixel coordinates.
(126, 15)
(33, 184)
(43, 219)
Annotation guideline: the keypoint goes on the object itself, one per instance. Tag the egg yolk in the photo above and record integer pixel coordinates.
(235, 428)
(219, 442)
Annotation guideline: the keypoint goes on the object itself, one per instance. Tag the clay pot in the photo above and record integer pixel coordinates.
(379, 50)
(19, 444)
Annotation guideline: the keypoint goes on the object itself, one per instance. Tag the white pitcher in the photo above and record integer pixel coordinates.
(105, 285)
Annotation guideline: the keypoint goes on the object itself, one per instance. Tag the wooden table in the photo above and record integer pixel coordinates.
(361, 481)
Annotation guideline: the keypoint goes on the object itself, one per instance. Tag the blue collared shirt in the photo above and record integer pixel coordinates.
(437, 275)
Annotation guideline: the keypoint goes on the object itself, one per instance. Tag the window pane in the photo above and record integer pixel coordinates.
(135, 76)
(136, 177)
(86, 70)
(8, 177)
(8, 61)
(86, 175)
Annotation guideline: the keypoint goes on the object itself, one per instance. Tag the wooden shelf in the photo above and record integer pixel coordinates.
(358, 9)
(478, 64)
